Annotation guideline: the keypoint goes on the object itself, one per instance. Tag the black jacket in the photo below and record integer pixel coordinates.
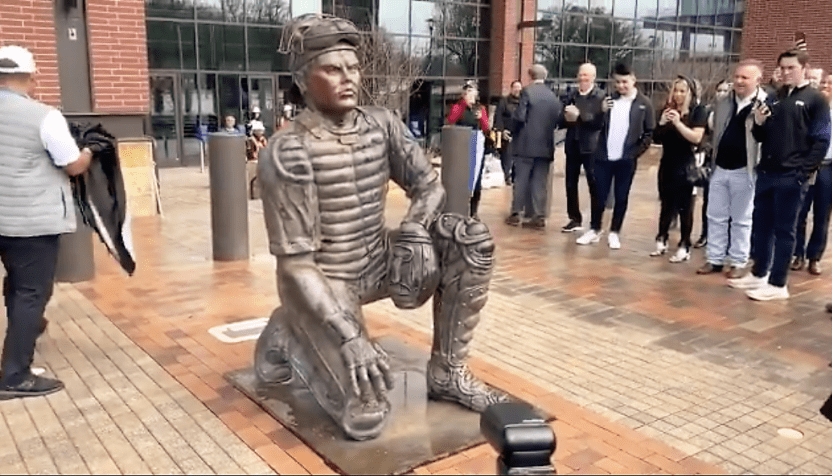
(537, 116)
(504, 115)
(796, 135)
(639, 134)
(587, 128)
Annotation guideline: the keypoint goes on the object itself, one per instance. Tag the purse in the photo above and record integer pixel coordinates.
(698, 172)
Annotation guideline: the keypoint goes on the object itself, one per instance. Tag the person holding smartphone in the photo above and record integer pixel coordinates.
(681, 127)
(794, 128)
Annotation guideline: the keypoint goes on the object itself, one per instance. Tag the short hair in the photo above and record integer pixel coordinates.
(622, 69)
(538, 71)
(801, 55)
(752, 62)
(516, 81)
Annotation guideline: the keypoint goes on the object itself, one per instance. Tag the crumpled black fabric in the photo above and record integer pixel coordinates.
(100, 191)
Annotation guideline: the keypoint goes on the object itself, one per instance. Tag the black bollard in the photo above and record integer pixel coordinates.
(76, 259)
(456, 144)
(229, 196)
(522, 438)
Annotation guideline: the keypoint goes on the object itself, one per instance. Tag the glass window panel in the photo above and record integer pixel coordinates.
(221, 47)
(623, 32)
(600, 57)
(301, 7)
(645, 34)
(647, 9)
(485, 22)
(460, 21)
(423, 17)
(359, 12)
(262, 50)
(549, 56)
(461, 58)
(643, 63)
(601, 7)
(573, 58)
(736, 42)
(234, 10)
(600, 31)
(548, 6)
(170, 45)
(620, 55)
(268, 12)
(483, 58)
(739, 18)
(209, 9)
(170, 8)
(394, 16)
(574, 29)
(668, 9)
(684, 41)
(667, 36)
(550, 33)
(625, 8)
(705, 43)
(575, 5)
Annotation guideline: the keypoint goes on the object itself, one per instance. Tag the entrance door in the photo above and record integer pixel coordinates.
(165, 119)
(261, 94)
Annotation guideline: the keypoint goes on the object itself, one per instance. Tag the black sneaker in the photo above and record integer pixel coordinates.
(701, 242)
(572, 226)
(31, 386)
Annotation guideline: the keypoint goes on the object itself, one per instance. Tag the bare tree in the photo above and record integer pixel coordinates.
(389, 72)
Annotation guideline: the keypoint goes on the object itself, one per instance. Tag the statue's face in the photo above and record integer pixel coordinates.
(333, 81)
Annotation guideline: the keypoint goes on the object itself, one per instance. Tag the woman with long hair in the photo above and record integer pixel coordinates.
(681, 127)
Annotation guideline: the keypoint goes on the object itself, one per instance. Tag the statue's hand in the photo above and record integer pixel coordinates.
(367, 365)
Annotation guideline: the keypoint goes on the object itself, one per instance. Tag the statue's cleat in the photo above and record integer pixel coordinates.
(271, 359)
(457, 384)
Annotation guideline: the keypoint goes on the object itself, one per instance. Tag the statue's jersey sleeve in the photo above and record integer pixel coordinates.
(290, 200)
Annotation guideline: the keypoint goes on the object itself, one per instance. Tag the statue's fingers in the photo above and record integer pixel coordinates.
(364, 382)
(384, 367)
(354, 381)
(378, 381)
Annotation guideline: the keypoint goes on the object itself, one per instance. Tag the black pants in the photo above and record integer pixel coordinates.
(620, 173)
(30, 274)
(574, 161)
(705, 189)
(676, 195)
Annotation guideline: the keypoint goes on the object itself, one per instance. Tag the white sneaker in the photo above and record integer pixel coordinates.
(749, 281)
(614, 241)
(589, 237)
(768, 292)
(682, 254)
(661, 248)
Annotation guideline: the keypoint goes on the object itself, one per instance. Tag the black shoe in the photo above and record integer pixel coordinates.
(513, 220)
(709, 268)
(572, 226)
(31, 386)
(701, 242)
(537, 224)
(797, 263)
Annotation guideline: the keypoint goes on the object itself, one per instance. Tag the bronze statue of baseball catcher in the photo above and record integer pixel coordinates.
(324, 182)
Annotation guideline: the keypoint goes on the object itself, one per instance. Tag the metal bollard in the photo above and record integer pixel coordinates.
(524, 441)
(229, 196)
(456, 146)
(76, 259)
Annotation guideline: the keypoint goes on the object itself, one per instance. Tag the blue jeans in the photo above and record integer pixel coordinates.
(730, 212)
(819, 197)
(777, 202)
(606, 172)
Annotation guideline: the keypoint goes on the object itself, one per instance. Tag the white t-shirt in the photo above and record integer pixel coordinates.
(619, 126)
(58, 142)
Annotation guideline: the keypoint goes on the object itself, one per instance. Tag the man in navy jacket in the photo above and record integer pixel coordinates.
(536, 118)
(794, 128)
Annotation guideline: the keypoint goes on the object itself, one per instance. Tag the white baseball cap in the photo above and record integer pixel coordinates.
(15, 59)
(255, 109)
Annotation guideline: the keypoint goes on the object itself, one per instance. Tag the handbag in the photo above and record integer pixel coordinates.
(698, 171)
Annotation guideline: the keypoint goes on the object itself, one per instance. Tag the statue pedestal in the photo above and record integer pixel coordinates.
(418, 430)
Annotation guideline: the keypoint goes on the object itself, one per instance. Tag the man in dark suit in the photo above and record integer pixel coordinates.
(629, 121)
(536, 118)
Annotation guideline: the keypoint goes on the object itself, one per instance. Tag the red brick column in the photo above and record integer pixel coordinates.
(527, 40)
(31, 24)
(118, 55)
(770, 27)
(512, 49)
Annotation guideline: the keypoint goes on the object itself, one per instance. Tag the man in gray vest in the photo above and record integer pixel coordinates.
(37, 156)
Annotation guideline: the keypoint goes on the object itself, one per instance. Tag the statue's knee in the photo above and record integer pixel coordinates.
(471, 237)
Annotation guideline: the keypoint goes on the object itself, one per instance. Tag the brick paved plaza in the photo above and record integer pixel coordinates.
(648, 367)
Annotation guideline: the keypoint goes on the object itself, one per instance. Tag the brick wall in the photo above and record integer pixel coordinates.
(512, 50)
(31, 24)
(770, 27)
(118, 55)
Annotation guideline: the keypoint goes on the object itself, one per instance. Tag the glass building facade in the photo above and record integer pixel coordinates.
(212, 58)
(657, 38)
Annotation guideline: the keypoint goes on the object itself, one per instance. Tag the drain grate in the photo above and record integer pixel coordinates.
(239, 331)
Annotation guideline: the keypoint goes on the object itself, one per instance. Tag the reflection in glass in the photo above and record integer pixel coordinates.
(601, 6)
(169, 8)
(301, 7)
(268, 12)
(647, 9)
(575, 5)
(550, 33)
(394, 16)
(170, 45)
(461, 58)
(545, 6)
(600, 31)
(667, 37)
(573, 58)
(422, 15)
(625, 8)
(549, 56)
(600, 57)
(262, 50)
(483, 56)
(221, 47)
(643, 64)
(359, 12)
(574, 28)
(668, 8)
(209, 9)
(459, 21)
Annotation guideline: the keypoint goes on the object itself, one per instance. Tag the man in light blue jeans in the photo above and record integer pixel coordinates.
(731, 189)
